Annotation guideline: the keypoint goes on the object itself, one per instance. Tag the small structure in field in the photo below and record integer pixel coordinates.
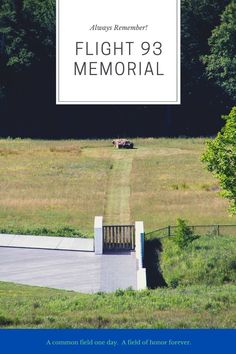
(123, 144)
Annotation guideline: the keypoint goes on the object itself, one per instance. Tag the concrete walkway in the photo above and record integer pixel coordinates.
(48, 242)
(71, 270)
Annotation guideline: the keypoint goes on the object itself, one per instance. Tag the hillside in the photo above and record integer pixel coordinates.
(209, 260)
(192, 307)
(58, 184)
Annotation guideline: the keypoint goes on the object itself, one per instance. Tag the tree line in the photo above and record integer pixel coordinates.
(27, 52)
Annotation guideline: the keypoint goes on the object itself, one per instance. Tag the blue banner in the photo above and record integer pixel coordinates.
(35, 341)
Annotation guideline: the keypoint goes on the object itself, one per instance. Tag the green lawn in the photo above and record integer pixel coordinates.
(57, 184)
(189, 307)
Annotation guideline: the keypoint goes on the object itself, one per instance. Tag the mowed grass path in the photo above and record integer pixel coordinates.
(66, 183)
(117, 205)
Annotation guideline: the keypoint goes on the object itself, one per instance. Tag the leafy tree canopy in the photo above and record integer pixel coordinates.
(199, 18)
(27, 31)
(221, 62)
(220, 158)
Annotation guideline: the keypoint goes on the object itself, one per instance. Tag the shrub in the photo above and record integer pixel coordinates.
(183, 234)
(4, 321)
(119, 292)
(174, 283)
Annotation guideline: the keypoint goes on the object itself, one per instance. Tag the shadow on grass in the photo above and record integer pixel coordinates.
(152, 250)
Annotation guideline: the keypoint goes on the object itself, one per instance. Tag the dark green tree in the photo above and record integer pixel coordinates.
(199, 18)
(221, 62)
(27, 34)
(26, 28)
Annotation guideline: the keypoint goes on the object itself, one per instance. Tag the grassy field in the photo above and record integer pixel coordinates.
(57, 184)
(57, 187)
(209, 260)
(190, 307)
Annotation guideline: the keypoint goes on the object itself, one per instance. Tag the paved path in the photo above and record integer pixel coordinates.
(71, 270)
(117, 206)
(47, 242)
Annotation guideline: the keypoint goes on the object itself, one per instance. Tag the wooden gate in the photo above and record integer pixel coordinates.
(118, 237)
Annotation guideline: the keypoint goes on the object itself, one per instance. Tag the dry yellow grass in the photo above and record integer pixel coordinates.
(169, 181)
(49, 183)
(58, 183)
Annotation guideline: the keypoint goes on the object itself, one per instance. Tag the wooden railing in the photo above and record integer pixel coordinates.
(118, 237)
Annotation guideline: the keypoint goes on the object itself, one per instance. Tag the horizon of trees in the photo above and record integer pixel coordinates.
(27, 78)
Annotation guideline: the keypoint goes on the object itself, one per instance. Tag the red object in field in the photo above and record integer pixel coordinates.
(123, 144)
